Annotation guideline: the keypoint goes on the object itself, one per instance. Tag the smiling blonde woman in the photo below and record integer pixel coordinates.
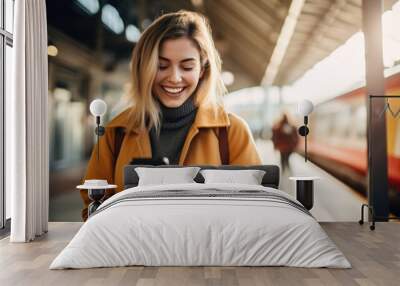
(176, 110)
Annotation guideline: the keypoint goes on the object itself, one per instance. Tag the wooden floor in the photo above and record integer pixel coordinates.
(374, 255)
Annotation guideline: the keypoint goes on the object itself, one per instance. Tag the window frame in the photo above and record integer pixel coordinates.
(6, 39)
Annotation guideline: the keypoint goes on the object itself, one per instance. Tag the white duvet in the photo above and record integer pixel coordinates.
(183, 231)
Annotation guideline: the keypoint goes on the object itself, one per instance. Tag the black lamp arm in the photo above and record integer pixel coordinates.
(303, 131)
(305, 147)
(100, 130)
(305, 138)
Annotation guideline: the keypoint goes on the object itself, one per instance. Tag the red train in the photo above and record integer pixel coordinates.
(338, 142)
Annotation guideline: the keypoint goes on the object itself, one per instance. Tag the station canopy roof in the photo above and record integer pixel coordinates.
(261, 41)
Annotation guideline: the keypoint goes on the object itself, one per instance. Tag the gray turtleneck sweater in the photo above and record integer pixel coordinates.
(175, 124)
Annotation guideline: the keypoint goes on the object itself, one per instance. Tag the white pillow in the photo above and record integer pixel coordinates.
(163, 176)
(248, 177)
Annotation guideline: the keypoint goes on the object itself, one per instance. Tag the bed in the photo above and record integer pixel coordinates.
(201, 224)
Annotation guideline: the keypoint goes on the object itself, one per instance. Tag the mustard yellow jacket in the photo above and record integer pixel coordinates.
(201, 146)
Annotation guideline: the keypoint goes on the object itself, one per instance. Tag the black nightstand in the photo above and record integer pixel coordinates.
(96, 191)
(305, 190)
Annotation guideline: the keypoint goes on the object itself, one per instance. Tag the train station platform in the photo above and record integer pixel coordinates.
(333, 200)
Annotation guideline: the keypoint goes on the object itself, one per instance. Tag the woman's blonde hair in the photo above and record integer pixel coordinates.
(145, 111)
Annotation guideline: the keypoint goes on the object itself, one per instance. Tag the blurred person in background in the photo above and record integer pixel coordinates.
(285, 139)
(176, 111)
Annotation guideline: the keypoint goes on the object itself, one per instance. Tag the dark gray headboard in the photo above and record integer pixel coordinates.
(270, 179)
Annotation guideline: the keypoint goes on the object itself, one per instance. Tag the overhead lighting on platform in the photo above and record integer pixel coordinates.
(89, 6)
(227, 77)
(283, 41)
(111, 18)
(132, 33)
(197, 3)
(52, 51)
(145, 23)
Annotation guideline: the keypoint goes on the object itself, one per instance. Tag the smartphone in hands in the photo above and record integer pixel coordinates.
(150, 161)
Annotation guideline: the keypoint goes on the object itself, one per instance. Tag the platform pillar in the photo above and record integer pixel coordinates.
(376, 125)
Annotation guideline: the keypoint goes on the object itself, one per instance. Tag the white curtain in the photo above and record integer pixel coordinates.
(26, 117)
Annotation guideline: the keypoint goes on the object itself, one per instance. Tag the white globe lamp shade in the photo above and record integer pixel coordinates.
(98, 107)
(305, 107)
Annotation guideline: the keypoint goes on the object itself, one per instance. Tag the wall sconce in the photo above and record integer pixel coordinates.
(98, 108)
(304, 108)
